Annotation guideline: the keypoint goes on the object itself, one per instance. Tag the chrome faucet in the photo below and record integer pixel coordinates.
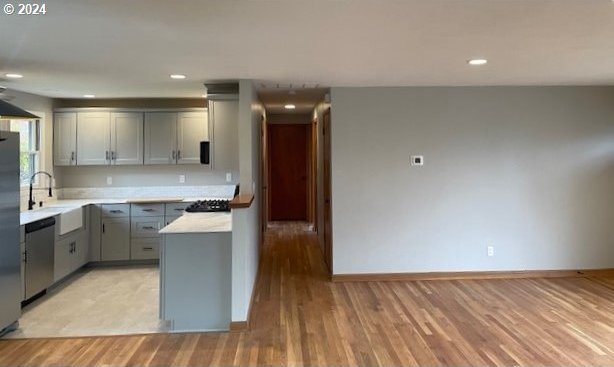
(31, 201)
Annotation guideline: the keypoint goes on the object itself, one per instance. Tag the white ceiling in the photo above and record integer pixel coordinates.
(118, 48)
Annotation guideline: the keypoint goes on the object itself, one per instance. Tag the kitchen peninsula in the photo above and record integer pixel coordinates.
(196, 272)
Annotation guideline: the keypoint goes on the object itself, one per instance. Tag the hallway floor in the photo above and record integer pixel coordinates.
(299, 318)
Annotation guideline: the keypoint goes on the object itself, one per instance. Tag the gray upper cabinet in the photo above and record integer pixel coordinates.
(65, 138)
(98, 137)
(160, 137)
(93, 132)
(126, 138)
(192, 128)
(224, 116)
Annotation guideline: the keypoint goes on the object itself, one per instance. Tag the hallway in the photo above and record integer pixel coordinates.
(299, 318)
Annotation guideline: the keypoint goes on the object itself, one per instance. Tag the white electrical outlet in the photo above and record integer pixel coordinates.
(228, 177)
(109, 180)
(417, 160)
(491, 251)
(181, 178)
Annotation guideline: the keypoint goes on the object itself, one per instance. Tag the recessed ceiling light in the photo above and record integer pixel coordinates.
(13, 76)
(177, 76)
(89, 96)
(289, 106)
(477, 62)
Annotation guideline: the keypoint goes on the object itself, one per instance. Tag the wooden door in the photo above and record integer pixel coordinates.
(65, 139)
(328, 228)
(93, 138)
(288, 171)
(192, 128)
(126, 138)
(160, 138)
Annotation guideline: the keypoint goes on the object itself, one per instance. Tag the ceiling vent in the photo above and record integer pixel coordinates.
(222, 90)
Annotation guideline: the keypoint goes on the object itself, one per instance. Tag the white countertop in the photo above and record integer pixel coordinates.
(200, 223)
(57, 207)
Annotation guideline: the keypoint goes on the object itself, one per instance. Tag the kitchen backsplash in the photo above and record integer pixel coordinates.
(204, 191)
(38, 194)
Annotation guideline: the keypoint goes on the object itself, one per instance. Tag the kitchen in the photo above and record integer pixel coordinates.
(91, 252)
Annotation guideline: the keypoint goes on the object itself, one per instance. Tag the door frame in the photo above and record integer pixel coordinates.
(327, 191)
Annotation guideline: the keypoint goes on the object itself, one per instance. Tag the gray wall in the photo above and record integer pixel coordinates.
(246, 222)
(529, 171)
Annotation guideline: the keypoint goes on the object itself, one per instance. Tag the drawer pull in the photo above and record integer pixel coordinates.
(147, 248)
(149, 210)
(149, 228)
(179, 210)
(116, 211)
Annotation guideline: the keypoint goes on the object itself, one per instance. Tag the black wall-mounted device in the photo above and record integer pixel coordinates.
(204, 152)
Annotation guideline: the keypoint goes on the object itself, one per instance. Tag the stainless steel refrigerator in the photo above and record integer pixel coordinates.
(10, 261)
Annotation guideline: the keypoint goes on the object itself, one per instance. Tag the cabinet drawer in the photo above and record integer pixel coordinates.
(176, 209)
(171, 219)
(147, 210)
(145, 248)
(147, 226)
(115, 210)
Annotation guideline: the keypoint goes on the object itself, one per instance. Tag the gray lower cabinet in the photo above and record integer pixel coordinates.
(22, 246)
(145, 248)
(145, 221)
(71, 252)
(115, 239)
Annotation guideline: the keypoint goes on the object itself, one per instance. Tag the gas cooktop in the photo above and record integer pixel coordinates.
(207, 206)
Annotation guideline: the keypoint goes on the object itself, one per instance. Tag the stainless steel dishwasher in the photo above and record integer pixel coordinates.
(40, 238)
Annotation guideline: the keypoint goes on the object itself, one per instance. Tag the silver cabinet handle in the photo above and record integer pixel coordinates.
(150, 228)
(106, 155)
(179, 154)
(148, 210)
(174, 156)
(179, 210)
(113, 156)
(72, 156)
(116, 211)
(147, 248)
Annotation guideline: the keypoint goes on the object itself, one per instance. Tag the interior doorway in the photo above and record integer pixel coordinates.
(327, 191)
(289, 172)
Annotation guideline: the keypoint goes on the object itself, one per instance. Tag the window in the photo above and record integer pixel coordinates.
(29, 147)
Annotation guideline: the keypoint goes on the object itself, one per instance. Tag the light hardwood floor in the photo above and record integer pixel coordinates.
(299, 318)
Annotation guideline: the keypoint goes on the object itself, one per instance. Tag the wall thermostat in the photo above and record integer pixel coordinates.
(417, 160)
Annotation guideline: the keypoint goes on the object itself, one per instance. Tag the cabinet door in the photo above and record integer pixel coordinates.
(65, 138)
(80, 254)
(115, 239)
(192, 128)
(93, 138)
(126, 138)
(62, 258)
(224, 117)
(160, 137)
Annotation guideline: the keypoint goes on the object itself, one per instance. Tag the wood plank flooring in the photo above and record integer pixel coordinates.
(299, 318)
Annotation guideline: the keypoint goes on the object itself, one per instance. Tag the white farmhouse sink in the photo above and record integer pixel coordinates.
(71, 219)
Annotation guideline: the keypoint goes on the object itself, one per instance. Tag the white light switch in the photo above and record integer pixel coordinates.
(109, 180)
(181, 178)
(491, 251)
(228, 177)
